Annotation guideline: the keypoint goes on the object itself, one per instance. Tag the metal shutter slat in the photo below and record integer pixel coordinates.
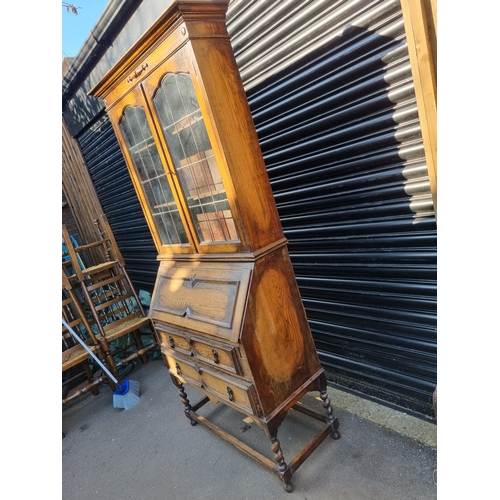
(119, 201)
(331, 93)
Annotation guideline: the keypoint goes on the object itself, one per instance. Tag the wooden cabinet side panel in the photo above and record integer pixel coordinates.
(220, 82)
(276, 336)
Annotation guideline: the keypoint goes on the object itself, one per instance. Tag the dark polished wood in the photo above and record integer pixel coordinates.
(226, 306)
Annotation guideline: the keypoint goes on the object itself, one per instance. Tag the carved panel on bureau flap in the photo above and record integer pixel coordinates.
(210, 300)
(204, 299)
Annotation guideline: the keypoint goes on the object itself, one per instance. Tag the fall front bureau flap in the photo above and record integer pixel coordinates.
(201, 297)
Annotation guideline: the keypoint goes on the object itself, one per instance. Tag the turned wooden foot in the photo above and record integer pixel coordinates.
(185, 401)
(334, 421)
(281, 465)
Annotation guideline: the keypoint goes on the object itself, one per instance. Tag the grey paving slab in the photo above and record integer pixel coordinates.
(151, 452)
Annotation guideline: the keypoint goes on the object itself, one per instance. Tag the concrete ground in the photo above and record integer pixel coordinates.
(152, 452)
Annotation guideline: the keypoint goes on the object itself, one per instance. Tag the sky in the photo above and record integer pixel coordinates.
(76, 28)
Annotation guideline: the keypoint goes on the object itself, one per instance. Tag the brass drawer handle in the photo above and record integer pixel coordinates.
(137, 72)
(215, 354)
(178, 369)
(230, 393)
(171, 342)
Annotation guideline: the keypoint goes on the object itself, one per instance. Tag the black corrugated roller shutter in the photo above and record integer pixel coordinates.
(331, 93)
(330, 87)
(119, 201)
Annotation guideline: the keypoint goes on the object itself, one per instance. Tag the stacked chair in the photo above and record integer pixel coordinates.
(78, 376)
(98, 278)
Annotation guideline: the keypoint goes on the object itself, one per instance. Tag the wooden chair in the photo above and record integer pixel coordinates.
(78, 377)
(109, 296)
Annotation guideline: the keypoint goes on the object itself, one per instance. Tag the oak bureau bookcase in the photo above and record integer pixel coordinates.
(226, 305)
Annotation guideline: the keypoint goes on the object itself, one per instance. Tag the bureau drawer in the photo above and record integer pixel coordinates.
(230, 390)
(210, 351)
(174, 339)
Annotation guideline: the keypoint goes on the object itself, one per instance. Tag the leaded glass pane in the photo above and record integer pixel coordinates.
(152, 176)
(194, 161)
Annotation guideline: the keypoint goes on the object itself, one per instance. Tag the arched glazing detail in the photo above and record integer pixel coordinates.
(152, 176)
(193, 158)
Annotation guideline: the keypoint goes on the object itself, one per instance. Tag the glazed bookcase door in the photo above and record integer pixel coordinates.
(192, 156)
(151, 175)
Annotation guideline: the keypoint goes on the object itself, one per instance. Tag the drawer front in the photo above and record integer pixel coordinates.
(217, 354)
(232, 391)
(187, 372)
(209, 351)
(208, 300)
(173, 339)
